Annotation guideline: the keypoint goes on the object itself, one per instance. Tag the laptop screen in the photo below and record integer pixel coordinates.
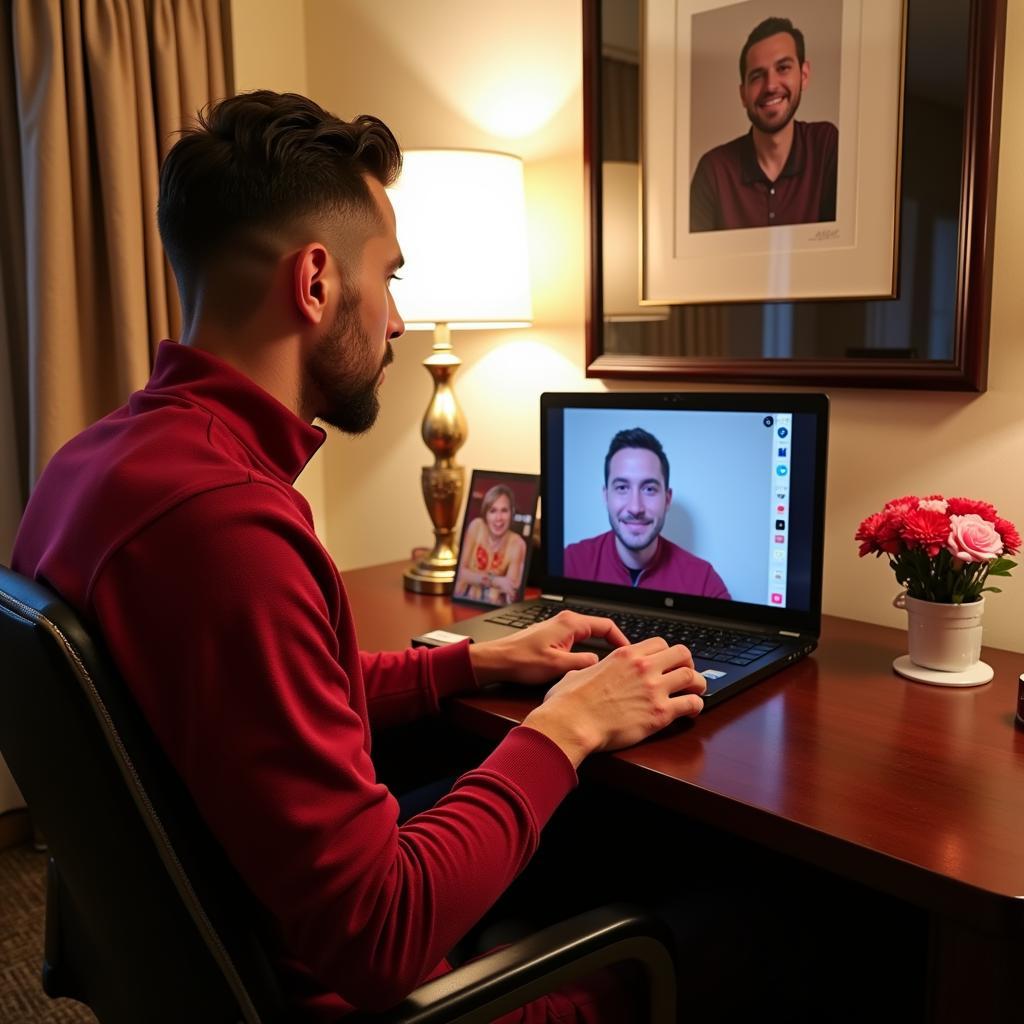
(711, 503)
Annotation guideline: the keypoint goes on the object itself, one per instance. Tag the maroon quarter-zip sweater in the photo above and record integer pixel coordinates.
(173, 527)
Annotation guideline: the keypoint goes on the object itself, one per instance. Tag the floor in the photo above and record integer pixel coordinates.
(22, 912)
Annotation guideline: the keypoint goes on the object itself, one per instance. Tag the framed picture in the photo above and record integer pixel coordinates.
(780, 182)
(497, 531)
(933, 335)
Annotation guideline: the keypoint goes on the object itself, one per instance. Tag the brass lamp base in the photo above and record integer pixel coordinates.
(443, 431)
(424, 579)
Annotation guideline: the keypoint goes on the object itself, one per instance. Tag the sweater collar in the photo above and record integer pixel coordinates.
(282, 441)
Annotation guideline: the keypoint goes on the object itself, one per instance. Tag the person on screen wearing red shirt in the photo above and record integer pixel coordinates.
(783, 171)
(633, 553)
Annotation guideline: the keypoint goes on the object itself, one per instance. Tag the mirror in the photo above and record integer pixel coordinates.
(933, 335)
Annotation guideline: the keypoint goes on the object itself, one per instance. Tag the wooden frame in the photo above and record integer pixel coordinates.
(889, 367)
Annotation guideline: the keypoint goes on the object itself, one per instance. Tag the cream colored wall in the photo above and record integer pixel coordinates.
(462, 73)
(269, 52)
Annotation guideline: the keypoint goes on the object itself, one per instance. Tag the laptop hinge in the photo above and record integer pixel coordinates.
(787, 632)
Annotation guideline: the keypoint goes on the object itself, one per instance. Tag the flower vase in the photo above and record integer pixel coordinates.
(944, 642)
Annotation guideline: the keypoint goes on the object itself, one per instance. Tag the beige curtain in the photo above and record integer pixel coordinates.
(97, 89)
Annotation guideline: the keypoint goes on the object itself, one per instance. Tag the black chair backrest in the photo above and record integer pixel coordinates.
(146, 920)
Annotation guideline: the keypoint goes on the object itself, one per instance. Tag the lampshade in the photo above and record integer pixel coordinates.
(462, 228)
(620, 223)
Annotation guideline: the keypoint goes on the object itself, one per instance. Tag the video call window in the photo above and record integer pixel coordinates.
(717, 527)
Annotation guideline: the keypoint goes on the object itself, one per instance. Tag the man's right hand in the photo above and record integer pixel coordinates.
(632, 693)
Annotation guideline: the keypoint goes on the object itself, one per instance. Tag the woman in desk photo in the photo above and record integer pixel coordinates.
(493, 555)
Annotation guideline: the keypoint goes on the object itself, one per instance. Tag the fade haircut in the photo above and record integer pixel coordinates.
(771, 27)
(636, 437)
(261, 161)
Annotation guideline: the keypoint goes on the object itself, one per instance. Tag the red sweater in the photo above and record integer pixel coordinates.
(172, 526)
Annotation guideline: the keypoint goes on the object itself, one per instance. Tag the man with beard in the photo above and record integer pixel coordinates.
(633, 553)
(173, 526)
(783, 171)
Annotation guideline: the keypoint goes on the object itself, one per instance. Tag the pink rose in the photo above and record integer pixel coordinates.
(973, 539)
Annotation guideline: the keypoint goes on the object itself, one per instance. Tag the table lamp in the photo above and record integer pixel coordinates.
(461, 218)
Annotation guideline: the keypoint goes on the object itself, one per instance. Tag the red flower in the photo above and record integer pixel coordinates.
(878, 533)
(1011, 538)
(968, 506)
(901, 506)
(923, 528)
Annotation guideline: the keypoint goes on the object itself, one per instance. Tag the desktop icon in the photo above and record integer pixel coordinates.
(779, 554)
(782, 452)
(780, 524)
(776, 599)
(780, 538)
(780, 508)
(769, 420)
(781, 470)
(782, 432)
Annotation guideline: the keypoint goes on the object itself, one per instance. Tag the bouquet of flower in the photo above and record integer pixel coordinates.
(941, 549)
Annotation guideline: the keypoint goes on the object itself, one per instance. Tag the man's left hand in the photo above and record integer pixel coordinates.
(543, 652)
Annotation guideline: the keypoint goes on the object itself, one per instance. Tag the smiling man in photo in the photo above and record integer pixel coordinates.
(633, 552)
(782, 171)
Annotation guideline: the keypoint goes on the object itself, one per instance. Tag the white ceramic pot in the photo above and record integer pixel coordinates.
(945, 637)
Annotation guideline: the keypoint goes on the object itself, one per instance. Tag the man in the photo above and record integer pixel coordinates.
(173, 527)
(633, 553)
(783, 171)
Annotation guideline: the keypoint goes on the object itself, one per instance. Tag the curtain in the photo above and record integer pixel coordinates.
(100, 87)
(91, 95)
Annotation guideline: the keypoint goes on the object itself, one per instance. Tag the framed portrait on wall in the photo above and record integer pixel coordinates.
(497, 537)
(770, 173)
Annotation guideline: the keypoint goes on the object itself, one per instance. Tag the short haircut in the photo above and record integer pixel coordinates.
(636, 437)
(493, 495)
(262, 160)
(771, 27)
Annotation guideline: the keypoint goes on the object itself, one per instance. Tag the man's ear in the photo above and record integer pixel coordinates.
(668, 496)
(310, 282)
(805, 74)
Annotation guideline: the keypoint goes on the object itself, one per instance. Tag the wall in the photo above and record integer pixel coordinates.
(268, 42)
(460, 73)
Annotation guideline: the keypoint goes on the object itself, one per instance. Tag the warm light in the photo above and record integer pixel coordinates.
(462, 228)
(620, 183)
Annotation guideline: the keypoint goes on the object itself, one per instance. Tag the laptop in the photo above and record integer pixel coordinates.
(725, 556)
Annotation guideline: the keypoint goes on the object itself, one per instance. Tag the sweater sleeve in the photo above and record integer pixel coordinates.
(402, 686)
(225, 619)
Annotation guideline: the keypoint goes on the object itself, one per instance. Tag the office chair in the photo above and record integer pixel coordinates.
(146, 920)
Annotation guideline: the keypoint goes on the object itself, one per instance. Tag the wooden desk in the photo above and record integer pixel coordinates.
(914, 790)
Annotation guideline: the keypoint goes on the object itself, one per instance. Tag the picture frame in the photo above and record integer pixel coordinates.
(707, 227)
(933, 336)
(497, 537)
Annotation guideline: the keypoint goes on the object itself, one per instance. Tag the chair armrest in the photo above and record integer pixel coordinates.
(491, 985)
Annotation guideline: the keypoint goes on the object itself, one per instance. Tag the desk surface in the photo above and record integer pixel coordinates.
(913, 789)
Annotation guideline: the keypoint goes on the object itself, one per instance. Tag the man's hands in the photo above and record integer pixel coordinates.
(543, 651)
(598, 705)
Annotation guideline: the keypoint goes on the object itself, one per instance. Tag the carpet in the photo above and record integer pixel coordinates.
(22, 912)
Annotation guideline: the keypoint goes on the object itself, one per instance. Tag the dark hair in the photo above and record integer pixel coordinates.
(771, 27)
(261, 160)
(636, 437)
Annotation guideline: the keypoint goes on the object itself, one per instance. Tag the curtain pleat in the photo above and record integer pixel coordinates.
(100, 89)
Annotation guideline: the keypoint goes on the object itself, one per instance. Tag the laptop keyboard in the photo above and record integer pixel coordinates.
(730, 646)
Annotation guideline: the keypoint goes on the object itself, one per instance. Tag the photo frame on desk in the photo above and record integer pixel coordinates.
(932, 335)
(497, 533)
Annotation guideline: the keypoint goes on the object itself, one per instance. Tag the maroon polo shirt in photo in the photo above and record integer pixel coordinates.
(729, 189)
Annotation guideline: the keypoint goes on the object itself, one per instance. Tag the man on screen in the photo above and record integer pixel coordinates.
(783, 171)
(633, 553)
